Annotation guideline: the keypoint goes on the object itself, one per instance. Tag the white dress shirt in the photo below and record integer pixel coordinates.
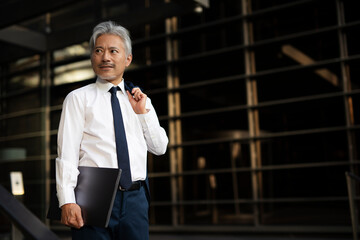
(86, 135)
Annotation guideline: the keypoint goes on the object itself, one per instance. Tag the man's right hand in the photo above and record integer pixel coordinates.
(71, 215)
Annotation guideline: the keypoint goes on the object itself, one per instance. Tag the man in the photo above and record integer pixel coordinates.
(86, 137)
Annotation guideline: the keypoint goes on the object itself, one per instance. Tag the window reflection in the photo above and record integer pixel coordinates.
(72, 51)
(25, 63)
(73, 72)
(28, 80)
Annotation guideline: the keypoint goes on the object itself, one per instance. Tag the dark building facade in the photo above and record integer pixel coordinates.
(260, 100)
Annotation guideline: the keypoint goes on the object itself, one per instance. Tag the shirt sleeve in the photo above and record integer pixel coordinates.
(155, 136)
(69, 139)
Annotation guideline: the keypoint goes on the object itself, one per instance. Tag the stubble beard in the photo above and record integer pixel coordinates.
(107, 78)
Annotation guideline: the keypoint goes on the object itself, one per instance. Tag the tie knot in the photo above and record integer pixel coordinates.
(113, 90)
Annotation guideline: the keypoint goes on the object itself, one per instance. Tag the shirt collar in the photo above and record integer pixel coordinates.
(105, 86)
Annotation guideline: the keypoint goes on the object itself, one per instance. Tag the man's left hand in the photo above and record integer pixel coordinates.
(137, 100)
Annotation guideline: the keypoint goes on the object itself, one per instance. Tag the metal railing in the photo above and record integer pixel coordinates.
(350, 180)
(24, 220)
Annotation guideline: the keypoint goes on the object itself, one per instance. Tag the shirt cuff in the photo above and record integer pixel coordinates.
(147, 119)
(66, 196)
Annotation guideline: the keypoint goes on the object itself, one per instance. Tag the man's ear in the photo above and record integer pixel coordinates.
(128, 60)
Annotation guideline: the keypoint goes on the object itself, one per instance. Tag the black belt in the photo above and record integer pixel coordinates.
(135, 186)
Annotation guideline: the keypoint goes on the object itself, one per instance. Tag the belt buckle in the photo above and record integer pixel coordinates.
(122, 189)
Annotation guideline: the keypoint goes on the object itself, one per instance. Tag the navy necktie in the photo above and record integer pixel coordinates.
(120, 139)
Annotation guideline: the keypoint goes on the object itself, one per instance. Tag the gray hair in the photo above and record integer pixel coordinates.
(110, 27)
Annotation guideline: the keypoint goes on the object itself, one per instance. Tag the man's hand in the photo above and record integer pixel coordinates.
(137, 100)
(71, 215)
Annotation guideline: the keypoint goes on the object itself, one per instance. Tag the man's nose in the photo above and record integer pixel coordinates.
(105, 56)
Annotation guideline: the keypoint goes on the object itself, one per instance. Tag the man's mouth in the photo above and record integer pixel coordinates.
(106, 66)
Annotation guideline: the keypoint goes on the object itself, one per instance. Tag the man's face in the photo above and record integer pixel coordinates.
(108, 58)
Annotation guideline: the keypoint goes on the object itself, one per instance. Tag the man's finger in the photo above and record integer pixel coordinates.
(131, 97)
(75, 222)
(135, 89)
(80, 220)
(71, 215)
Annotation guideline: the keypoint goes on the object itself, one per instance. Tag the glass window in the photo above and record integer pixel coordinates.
(18, 125)
(24, 101)
(24, 81)
(25, 63)
(73, 72)
(72, 51)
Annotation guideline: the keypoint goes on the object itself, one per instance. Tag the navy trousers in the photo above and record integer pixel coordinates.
(129, 219)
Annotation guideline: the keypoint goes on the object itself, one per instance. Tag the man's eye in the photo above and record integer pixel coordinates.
(98, 50)
(114, 51)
